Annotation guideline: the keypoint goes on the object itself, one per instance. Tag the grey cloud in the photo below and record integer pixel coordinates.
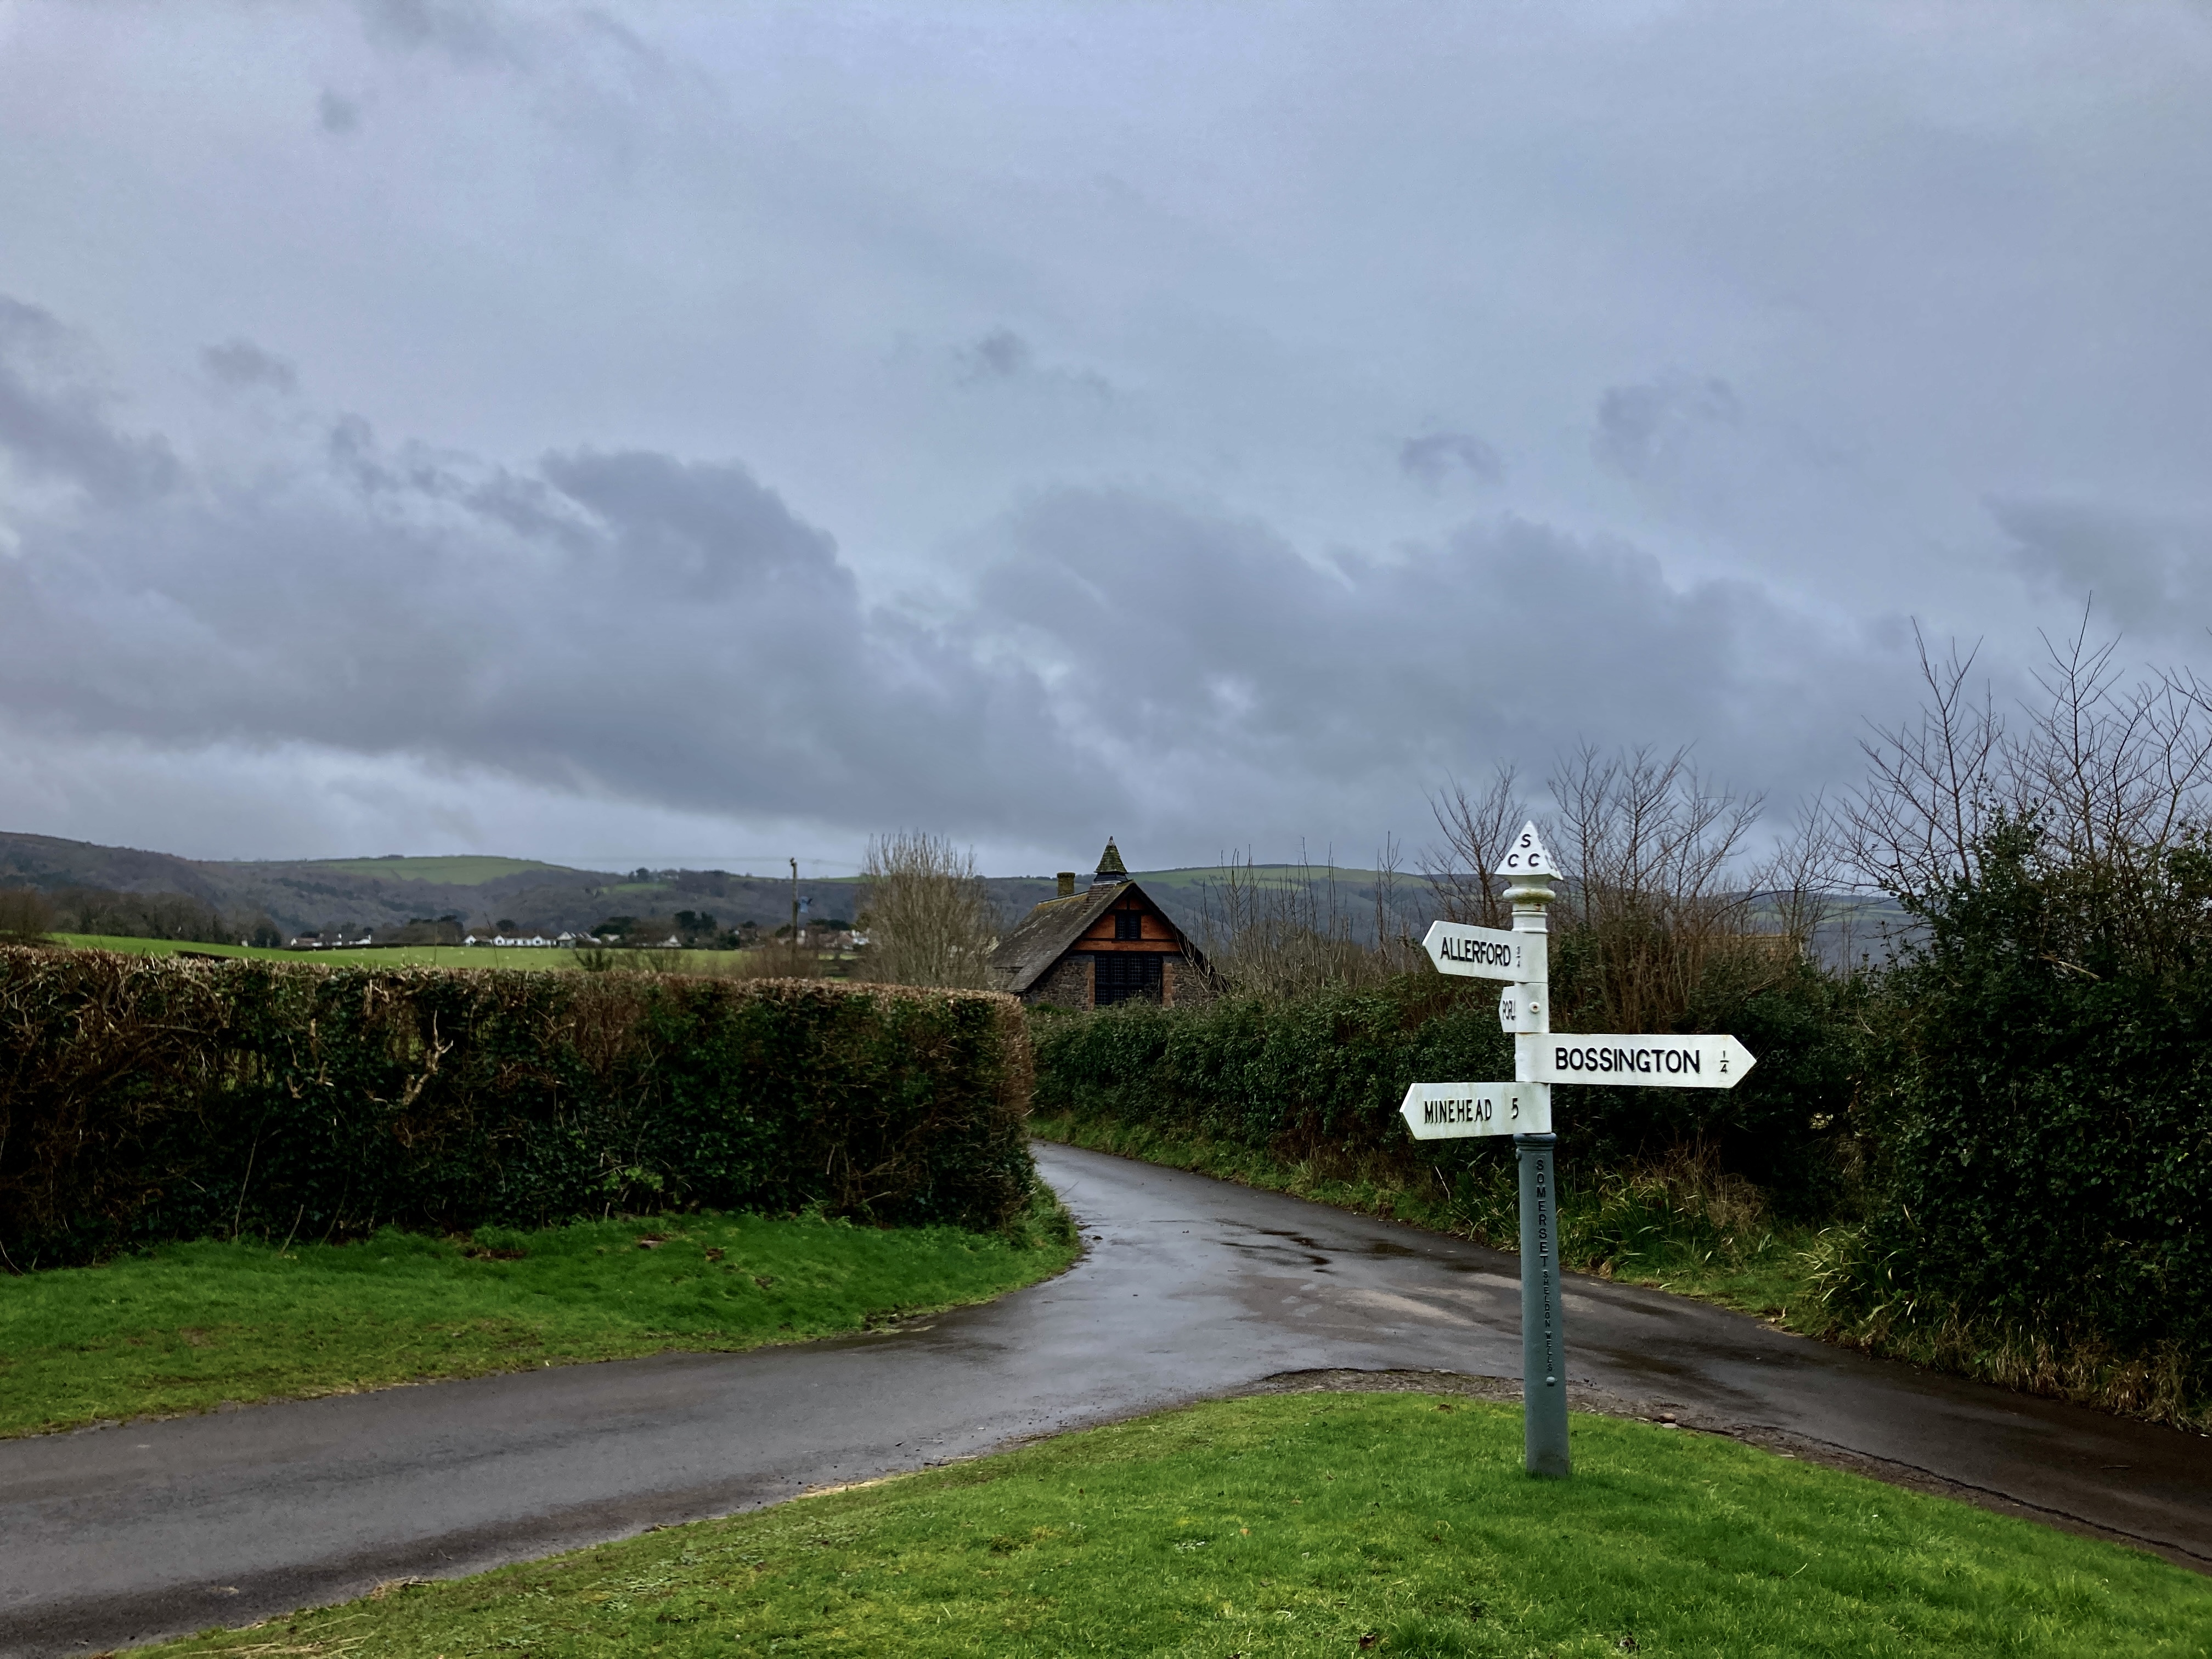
(1003, 357)
(2152, 575)
(242, 363)
(1000, 354)
(468, 33)
(1640, 427)
(630, 625)
(53, 419)
(1433, 458)
(336, 114)
(1255, 684)
(618, 625)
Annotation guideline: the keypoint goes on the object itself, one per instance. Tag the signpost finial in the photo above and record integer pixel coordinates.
(1527, 855)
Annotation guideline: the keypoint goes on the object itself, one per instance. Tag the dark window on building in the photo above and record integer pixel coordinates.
(1128, 924)
(1128, 977)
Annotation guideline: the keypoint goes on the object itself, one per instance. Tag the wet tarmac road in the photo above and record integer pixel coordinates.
(1191, 1288)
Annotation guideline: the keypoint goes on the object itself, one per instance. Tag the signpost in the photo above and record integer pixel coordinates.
(1523, 1108)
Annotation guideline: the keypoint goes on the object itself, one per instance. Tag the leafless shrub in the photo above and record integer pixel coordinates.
(1284, 931)
(25, 913)
(1654, 895)
(1396, 950)
(2111, 773)
(1475, 828)
(928, 919)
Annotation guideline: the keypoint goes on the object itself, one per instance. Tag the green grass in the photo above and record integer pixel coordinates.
(1677, 1228)
(1322, 1524)
(459, 870)
(395, 955)
(185, 1328)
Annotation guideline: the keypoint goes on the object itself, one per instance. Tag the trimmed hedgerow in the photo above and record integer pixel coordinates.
(147, 1098)
(1328, 1068)
(1324, 1073)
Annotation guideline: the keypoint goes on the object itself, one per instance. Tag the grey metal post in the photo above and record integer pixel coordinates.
(1543, 1336)
(1543, 1346)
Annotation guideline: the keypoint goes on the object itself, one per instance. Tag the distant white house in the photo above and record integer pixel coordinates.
(511, 940)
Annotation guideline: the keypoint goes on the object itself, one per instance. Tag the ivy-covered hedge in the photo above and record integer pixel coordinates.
(1327, 1071)
(145, 1098)
(2040, 1204)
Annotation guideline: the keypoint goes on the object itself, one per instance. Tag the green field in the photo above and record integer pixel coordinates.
(460, 870)
(706, 964)
(395, 955)
(186, 1328)
(1313, 1524)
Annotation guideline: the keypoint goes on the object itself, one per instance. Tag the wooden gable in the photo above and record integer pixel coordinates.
(1132, 922)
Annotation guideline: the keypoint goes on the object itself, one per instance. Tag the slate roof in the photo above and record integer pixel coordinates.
(1042, 936)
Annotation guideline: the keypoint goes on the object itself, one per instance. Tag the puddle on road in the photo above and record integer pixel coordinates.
(1311, 1254)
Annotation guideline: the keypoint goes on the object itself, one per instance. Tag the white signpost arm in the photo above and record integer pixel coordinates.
(1527, 870)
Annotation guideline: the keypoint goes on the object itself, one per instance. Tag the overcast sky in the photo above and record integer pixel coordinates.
(660, 434)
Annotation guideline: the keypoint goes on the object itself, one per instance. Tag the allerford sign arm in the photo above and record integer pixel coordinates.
(1486, 952)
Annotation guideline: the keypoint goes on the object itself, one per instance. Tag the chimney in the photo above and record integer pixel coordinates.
(1066, 884)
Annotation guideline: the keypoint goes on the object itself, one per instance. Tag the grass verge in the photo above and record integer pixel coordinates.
(396, 956)
(1679, 1226)
(1395, 1524)
(185, 1328)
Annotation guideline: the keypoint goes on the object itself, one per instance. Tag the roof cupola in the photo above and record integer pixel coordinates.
(1111, 867)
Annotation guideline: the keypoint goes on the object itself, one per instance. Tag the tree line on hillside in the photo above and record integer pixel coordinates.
(26, 913)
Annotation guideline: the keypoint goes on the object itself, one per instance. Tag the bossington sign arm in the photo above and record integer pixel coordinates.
(1641, 1062)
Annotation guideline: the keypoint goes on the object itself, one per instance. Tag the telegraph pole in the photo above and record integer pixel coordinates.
(794, 905)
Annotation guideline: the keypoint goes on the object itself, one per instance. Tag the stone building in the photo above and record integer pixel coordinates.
(1107, 943)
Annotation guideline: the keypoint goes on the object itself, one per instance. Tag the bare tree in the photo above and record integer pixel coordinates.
(2109, 774)
(1475, 831)
(1932, 786)
(1281, 932)
(1649, 850)
(929, 919)
(25, 914)
(1395, 952)
(1798, 891)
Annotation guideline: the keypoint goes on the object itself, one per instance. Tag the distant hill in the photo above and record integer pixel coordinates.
(310, 895)
(461, 870)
